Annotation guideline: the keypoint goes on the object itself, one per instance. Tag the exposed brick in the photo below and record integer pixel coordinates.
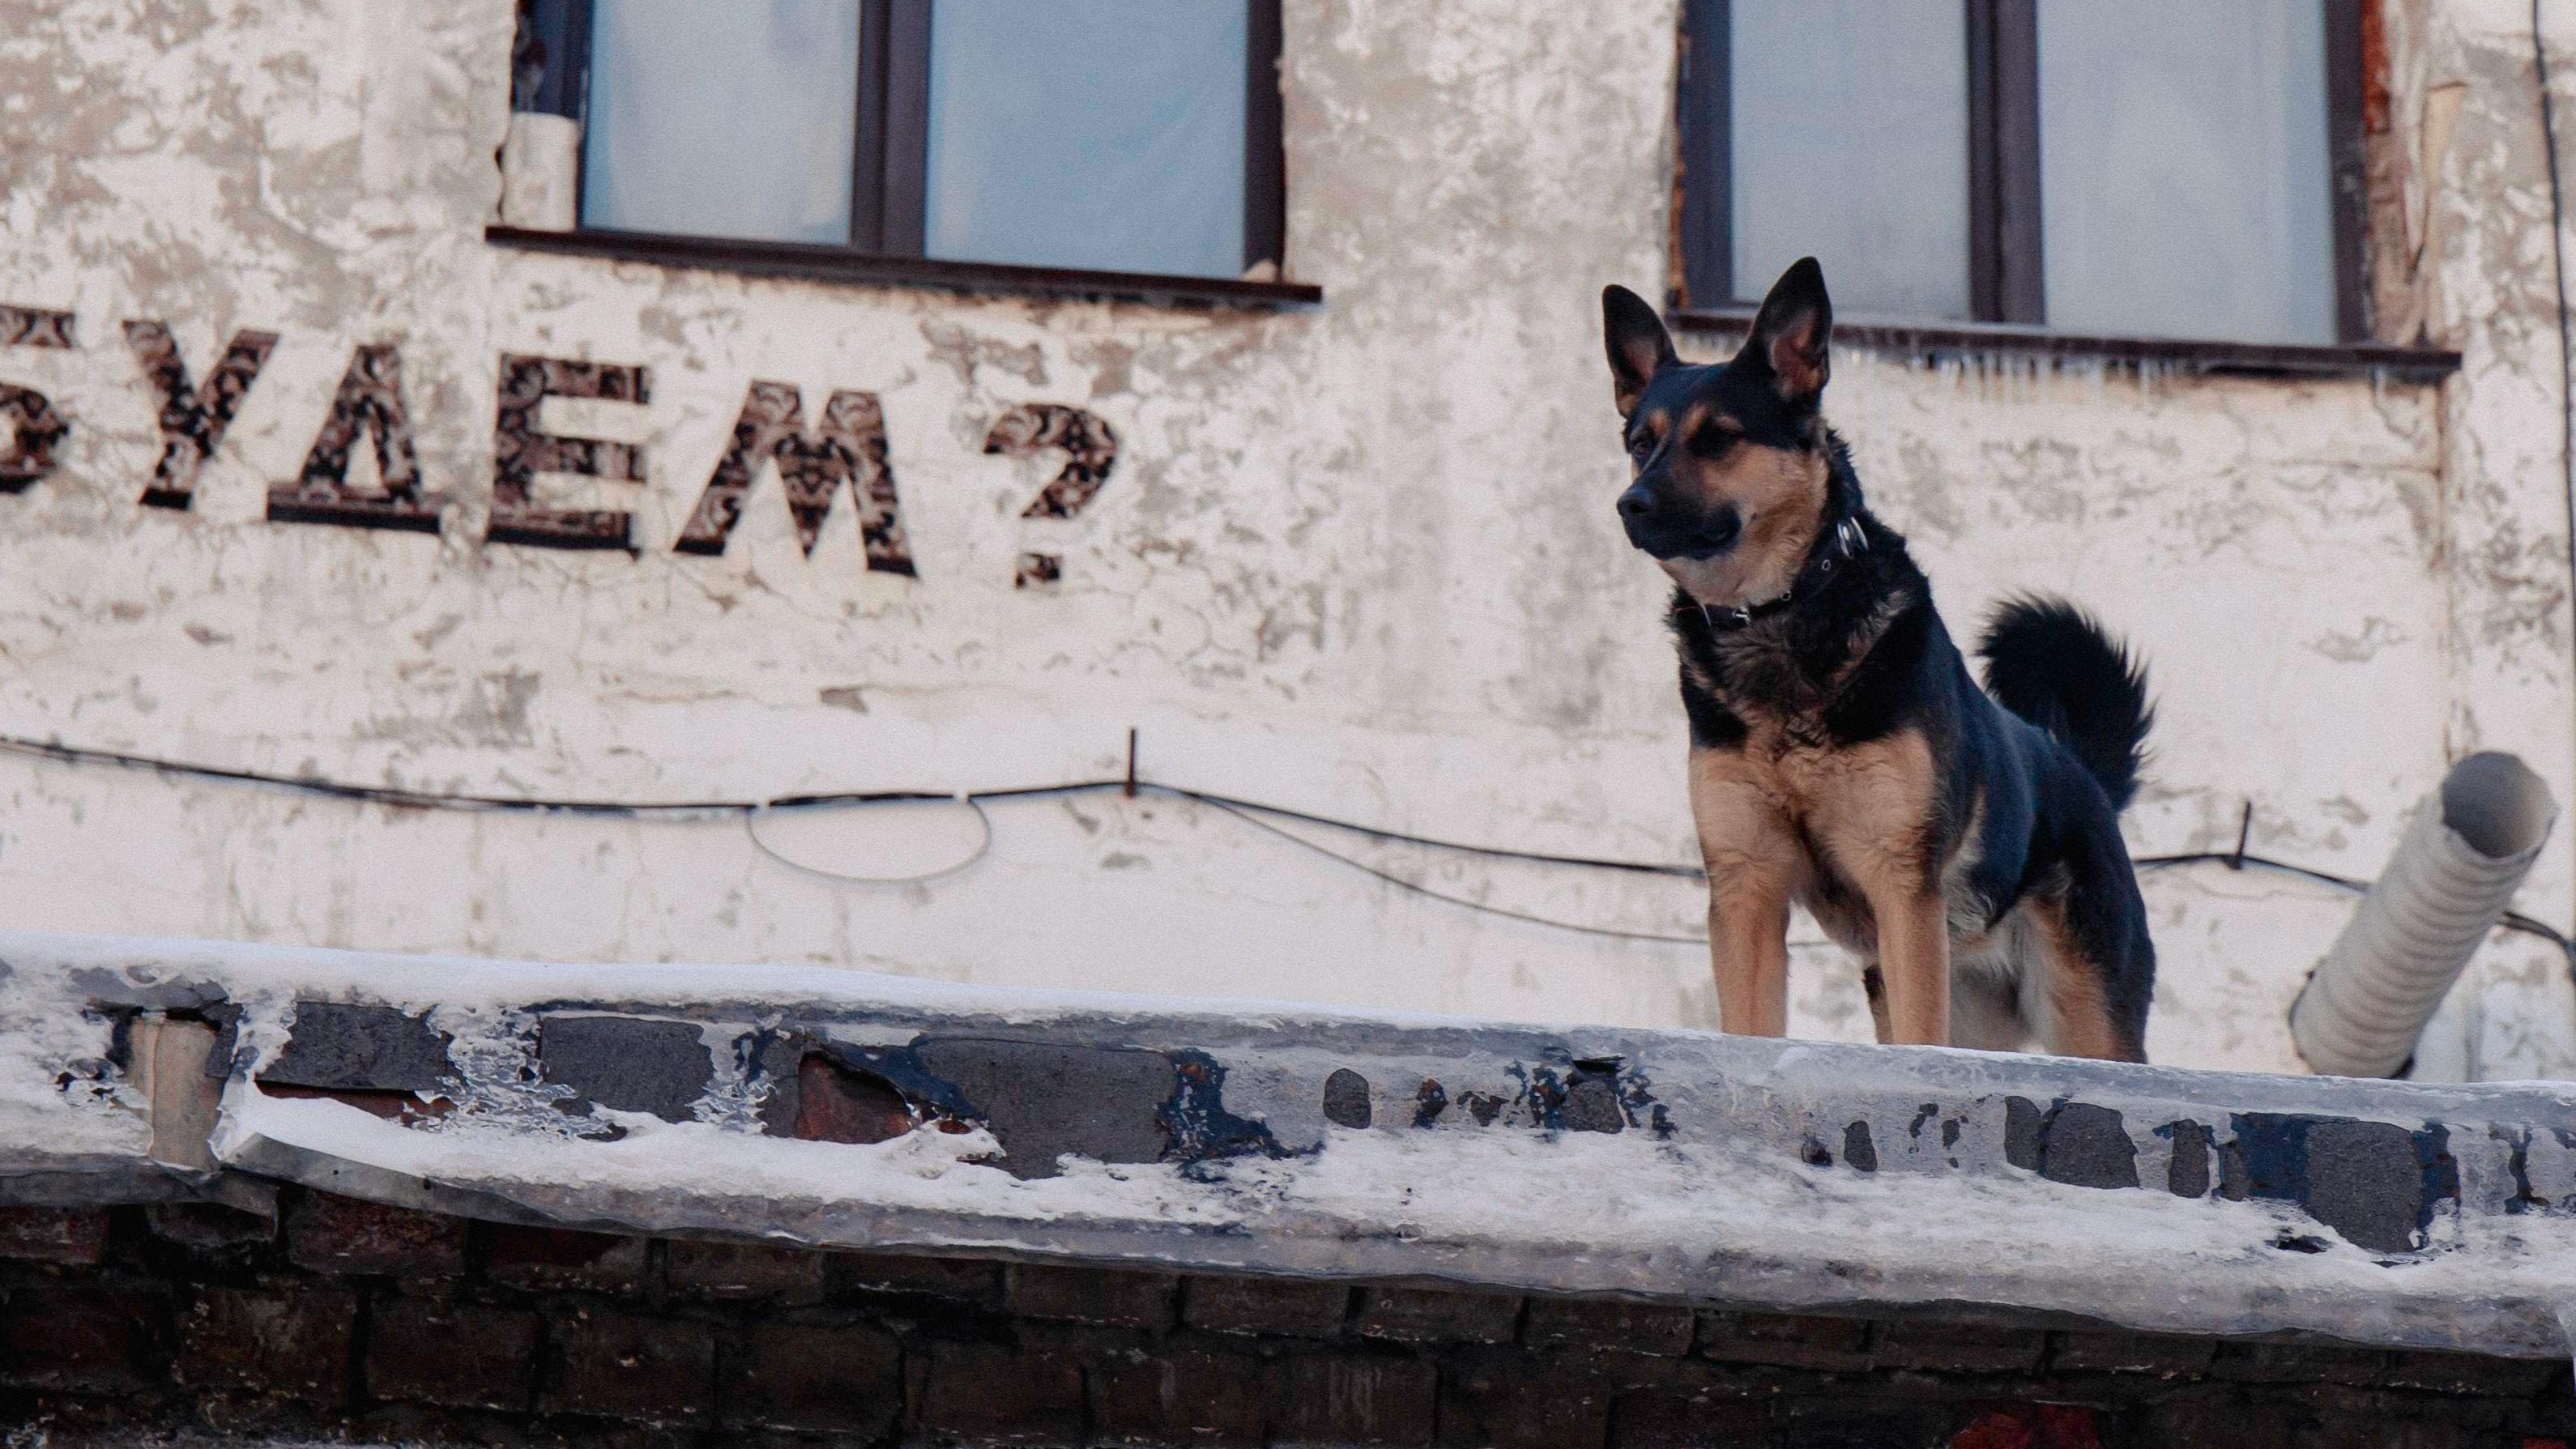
(1841, 1421)
(1437, 1315)
(461, 1356)
(1106, 1297)
(1043, 1100)
(628, 1366)
(405, 1109)
(560, 1258)
(1957, 1347)
(989, 1394)
(337, 1045)
(1599, 1323)
(1831, 1345)
(817, 1378)
(294, 1343)
(418, 1424)
(962, 1278)
(2030, 1426)
(330, 1234)
(1266, 1305)
(2301, 1363)
(1675, 1419)
(2468, 1373)
(1503, 1400)
(53, 1235)
(242, 1417)
(633, 1064)
(2366, 1180)
(2396, 1406)
(83, 1338)
(746, 1270)
(2086, 1145)
(210, 1226)
(1346, 1099)
(2351, 1429)
(1354, 1400)
(2550, 1416)
(2163, 1354)
(1185, 1396)
(837, 1103)
(2215, 1416)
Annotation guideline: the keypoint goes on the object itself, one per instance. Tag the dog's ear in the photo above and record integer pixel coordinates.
(1638, 344)
(1793, 333)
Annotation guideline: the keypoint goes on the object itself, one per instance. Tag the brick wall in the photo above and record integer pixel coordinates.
(337, 1317)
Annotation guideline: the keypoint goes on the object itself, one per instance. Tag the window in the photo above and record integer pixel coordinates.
(2188, 169)
(1132, 136)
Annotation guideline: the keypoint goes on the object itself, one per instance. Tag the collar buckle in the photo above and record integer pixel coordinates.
(1849, 537)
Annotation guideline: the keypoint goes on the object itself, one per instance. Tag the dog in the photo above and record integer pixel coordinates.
(1964, 843)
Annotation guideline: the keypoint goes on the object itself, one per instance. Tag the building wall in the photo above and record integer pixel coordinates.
(1358, 559)
(240, 1327)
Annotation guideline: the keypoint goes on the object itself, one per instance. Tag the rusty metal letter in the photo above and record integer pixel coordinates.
(37, 429)
(520, 452)
(1090, 450)
(849, 446)
(369, 401)
(192, 425)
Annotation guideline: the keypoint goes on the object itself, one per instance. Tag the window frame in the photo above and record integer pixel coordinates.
(2005, 276)
(890, 154)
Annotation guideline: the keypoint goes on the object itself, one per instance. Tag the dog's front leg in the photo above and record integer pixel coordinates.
(1748, 945)
(1914, 966)
(1755, 865)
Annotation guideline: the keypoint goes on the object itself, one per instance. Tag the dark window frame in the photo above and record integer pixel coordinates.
(889, 190)
(2004, 237)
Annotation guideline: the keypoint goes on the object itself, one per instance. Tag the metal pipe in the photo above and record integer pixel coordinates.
(2462, 857)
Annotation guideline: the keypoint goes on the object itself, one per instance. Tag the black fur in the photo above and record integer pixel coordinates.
(2050, 663)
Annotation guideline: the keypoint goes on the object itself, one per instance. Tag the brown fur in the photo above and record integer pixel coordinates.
(2079, 1016)
(1844, 831)
(1781, 493)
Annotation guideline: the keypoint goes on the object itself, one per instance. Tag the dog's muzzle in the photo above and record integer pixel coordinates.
(1651, 528)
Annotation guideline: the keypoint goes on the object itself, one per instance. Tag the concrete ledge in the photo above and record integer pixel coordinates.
(839, 1109)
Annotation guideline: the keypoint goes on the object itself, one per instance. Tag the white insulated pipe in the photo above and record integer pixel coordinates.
(2462, 857)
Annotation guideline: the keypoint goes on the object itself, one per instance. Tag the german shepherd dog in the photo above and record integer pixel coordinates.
(1964, 843)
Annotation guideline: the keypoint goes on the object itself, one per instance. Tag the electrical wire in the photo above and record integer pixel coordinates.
(1245, 814)
(983, 847)
(1256, 813)
(2511, 921)
(400, 797)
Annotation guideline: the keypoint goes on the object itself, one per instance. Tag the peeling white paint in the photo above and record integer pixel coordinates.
(1358, 559)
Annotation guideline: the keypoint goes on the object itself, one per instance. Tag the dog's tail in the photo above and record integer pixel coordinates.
(2047, 661)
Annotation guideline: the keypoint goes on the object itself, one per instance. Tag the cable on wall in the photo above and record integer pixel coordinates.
(1258, 814)
(983, 846)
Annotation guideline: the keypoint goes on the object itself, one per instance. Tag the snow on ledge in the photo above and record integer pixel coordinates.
(835, 1108)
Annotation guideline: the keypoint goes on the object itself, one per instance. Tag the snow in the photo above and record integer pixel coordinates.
(1723, 1210)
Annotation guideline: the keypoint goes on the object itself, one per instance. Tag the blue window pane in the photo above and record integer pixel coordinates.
(2183, 179)
(1850, 127)
(733, 120)
(1106, 134)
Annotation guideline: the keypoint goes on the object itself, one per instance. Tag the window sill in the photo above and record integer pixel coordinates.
(2255, 359)
(840, 264)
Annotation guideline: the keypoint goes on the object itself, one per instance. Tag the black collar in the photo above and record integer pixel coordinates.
(1850, 536)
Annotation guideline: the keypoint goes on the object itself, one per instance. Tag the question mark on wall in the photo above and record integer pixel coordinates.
(1090, 448)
